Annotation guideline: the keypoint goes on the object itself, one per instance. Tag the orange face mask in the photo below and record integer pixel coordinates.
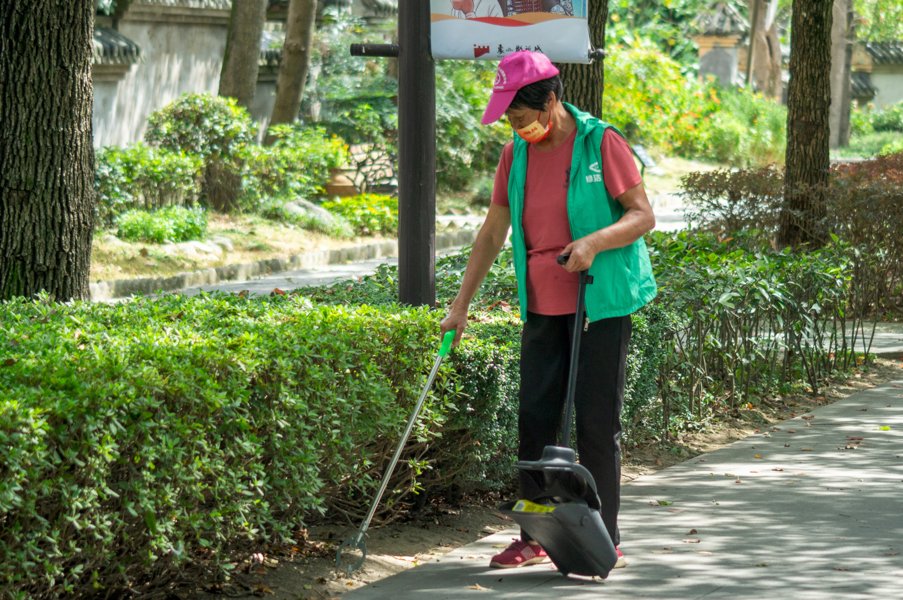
(535, 132)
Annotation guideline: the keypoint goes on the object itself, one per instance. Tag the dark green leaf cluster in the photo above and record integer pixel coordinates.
(864, 210)
(654, 103)
(212, 127)
(203, 143)
(297, 165)
(368, 214)
(465, 147)
(876, 132)
(169, 224)
(135, 437)
(144, 177)
(747, 321)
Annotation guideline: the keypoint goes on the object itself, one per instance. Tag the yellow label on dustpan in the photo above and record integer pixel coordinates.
(531, 507)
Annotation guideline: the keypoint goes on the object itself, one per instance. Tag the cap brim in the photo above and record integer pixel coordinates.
(498, 104)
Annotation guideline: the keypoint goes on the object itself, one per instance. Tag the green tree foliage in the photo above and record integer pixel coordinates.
(668, 22)
(650, 99)
(879, 20)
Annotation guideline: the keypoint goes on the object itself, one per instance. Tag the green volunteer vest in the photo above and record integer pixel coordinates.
(622, 277)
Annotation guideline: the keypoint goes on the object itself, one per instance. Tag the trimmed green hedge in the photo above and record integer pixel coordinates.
(137, 436)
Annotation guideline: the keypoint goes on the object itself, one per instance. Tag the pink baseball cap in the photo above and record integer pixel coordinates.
(515, 71)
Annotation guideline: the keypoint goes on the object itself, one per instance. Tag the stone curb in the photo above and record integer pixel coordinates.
(121, 288)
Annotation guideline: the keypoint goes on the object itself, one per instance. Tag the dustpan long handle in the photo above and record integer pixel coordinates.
(575, 354)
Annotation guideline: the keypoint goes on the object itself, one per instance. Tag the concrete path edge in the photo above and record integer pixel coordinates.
(122, 288)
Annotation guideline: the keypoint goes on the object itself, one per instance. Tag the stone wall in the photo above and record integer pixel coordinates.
(181, 51)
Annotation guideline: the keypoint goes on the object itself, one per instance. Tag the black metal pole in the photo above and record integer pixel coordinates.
(416, 156)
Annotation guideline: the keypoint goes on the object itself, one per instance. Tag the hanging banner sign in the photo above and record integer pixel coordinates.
(490, 29)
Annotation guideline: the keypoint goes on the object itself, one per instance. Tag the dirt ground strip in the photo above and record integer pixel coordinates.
(307, 571)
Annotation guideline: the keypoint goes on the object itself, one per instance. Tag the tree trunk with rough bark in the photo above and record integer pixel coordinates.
(241, 61)
(46, 150)
(584, 85)
(808, 106)
(299, 35)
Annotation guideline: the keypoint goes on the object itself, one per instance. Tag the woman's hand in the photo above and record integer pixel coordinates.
(455, 320)
(581, 253)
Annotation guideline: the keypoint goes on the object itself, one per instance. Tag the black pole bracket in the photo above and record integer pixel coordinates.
(597, 54)
(385, 50)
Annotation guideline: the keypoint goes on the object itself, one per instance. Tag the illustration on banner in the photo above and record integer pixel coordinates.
(490, 29)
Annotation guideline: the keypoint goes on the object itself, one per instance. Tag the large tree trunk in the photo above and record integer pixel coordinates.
(808, 104)
(46, 151)
(299, 36)
(241, 62)
(584, 84)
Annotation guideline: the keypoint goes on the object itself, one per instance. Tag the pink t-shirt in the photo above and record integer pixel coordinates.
(550, 289)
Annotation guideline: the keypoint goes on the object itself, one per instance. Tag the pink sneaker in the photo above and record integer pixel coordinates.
(622, 562)
(519, 554)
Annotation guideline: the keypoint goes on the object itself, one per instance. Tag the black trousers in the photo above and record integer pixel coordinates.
(544, 364)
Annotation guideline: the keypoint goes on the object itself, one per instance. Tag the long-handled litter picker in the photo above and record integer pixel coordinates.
(357, 542)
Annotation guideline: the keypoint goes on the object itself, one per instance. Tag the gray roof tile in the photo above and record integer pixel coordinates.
(112, 48)
(885, 53)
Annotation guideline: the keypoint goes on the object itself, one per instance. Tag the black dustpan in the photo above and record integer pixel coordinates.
(564, 517)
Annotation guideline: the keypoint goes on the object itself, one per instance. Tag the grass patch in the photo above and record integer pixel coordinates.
(251, 238)
(866, 146)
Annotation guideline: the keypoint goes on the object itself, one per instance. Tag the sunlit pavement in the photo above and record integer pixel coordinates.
(809, 509)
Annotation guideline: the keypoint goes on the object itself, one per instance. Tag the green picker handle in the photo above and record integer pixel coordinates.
(357, 542)
(447, 343)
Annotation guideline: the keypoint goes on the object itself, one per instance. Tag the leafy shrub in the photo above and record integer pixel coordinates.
(136, 437)
(670, 25)
(865, 211)
(355, 99)
(493, 365)
(368, 214)
(867, 120)
(212, 127)
(649, 99)
(296, 165)
(732, 201)
(170, 224)
(215, 128)
(746, 322)
(143, 177)
(895, 146)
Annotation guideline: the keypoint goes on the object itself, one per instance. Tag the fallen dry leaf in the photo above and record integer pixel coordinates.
(693, 532)
(478, 587)
(757, 456)
(691, 541)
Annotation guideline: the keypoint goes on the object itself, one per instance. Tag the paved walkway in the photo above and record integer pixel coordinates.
(811, 509)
